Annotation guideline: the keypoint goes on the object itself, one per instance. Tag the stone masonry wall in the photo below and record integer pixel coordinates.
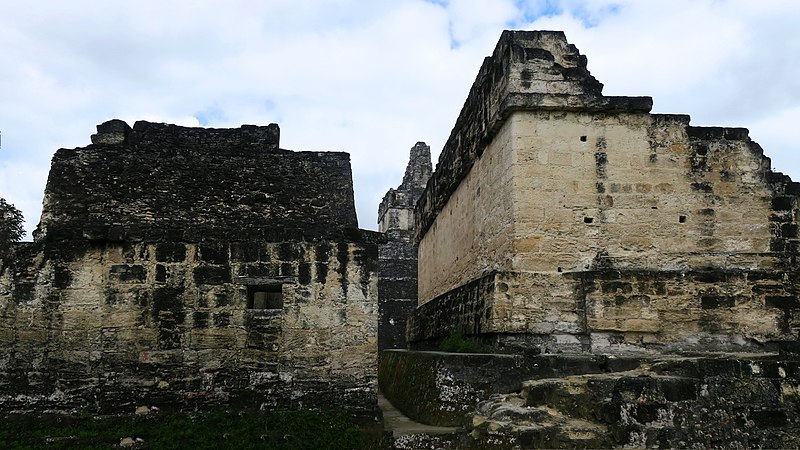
(519, 75)
(595, 401)
(147, 282)
(119, 325)
(176, 183)
(603, 229)
(624, 186)
(474, 232)
(397, 286)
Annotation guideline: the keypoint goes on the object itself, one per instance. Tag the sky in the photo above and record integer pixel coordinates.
(369, 77)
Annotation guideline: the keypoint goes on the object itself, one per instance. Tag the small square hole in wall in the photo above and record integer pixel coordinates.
(583, 138)
(265, 297)
(588, 219)
(682, 219)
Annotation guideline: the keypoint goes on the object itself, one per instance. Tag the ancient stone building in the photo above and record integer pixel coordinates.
(184, 267)
(397, 284)
(559, 219)
(630, 279)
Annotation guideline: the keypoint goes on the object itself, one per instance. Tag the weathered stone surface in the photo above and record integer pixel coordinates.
(528, 70)
(140, 288)
(570, 228)
(438, 388)
(562, 225)
(176, 184)
(397, 286)
(615, 311)
(572, 401)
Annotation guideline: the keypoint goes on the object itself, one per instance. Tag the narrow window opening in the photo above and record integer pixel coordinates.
(559, 269)
(265, 297)
(682, 219)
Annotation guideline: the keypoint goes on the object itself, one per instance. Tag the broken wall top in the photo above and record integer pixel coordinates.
(418, 171)
(528, 70)
(158, 181)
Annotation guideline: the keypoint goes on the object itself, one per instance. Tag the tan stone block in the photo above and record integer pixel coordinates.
(528, 244)
(641, 325)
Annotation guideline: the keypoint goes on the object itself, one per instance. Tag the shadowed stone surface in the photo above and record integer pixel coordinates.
(587, 401)
(397, 287)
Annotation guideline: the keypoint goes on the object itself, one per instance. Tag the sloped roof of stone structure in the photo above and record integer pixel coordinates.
(158, 181)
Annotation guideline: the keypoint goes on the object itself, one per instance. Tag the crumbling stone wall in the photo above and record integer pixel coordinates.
(397, 286)
(142, 285)
(170, 182)
(562, 220)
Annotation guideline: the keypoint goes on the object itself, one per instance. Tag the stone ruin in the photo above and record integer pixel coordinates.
(185, 267)
(634, 278)
(559, 219)
(397, 283)
(631, 279)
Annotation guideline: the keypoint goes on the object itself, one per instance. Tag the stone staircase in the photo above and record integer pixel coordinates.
(571, 401)
(642, 408)
(507, 421)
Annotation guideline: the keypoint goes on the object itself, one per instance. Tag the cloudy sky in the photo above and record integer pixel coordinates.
(370, 77)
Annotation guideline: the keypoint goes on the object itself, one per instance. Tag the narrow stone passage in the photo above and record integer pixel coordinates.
(400, 425)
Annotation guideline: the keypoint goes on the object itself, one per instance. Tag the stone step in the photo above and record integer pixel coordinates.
(598, 397)
(506, 421)
(575, 396)
(581, 411)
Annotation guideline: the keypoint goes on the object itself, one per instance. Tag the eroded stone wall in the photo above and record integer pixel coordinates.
(169, 324)
(583, 223)
(397, 286)
(644, 191)
(594, 401)
(184, 269)
(176, 183)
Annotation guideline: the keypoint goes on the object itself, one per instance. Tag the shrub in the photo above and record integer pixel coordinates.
(10, 226)
(240, 430)
(456, 342)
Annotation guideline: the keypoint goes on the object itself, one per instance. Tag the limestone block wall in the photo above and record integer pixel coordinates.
(570, 221)
(616, 312)
(624, 232)
(646, 191)
(527, 70)
(189, 267)
(160, 181)
(114, 325)
(397, 286)
(474, 231)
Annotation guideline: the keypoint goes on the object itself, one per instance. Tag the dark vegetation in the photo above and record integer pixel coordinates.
(10, 226)
(456, 342)
(215, 430)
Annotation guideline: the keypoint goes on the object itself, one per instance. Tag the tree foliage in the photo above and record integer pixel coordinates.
(10, 226)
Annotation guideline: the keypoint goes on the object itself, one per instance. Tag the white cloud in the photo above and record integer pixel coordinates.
(370, 78)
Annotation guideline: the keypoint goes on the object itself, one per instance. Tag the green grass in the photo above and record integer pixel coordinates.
(456, 342)
(215, 430)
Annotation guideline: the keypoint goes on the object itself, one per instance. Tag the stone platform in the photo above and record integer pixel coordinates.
(594, 401)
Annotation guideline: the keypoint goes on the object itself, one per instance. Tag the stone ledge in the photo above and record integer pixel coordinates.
(438, 388)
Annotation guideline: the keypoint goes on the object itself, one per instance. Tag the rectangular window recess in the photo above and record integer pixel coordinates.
(265, 297)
